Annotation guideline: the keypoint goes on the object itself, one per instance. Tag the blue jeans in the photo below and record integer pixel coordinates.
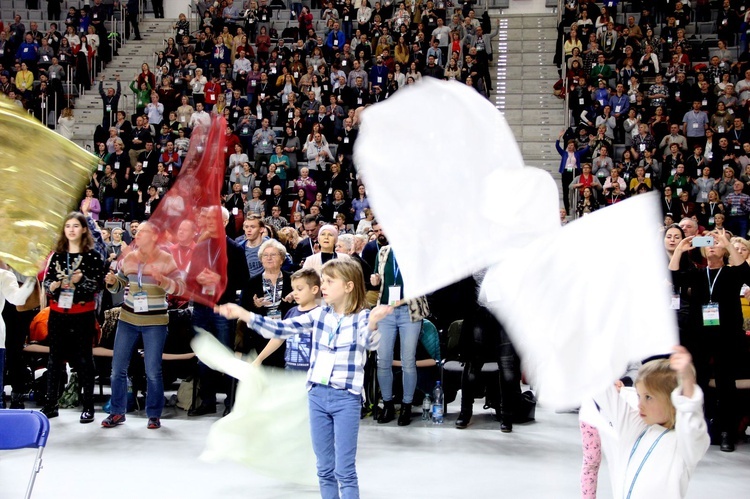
(222, 329)
(398, 322)
(153, 346)
(334, 425)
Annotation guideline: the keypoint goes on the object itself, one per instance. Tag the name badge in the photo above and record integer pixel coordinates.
(380, 79)
(109, 108)
(296, 75)
(66, 299)
(735, 211)
(323, 367)
(268, 191)
(359, 101)
(617, 109)
(394, 294)
(140, 302)
(710, 220)
(253, 83)
(209, 290)
(711, 314)
(117, 165)
(135, 187)
(145, 165)
(580, 101)
(290, 114)
(147, 209)
(244, 188)
(642, 147)
(235, 211)
(346, 140)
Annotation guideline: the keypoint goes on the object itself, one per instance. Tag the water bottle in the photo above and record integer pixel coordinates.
(437, 404)
(426, 408)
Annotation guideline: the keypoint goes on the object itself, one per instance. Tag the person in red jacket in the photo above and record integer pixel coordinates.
(211, 90)
(231, 140)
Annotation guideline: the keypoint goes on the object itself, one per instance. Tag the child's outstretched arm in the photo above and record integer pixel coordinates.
(268, 328)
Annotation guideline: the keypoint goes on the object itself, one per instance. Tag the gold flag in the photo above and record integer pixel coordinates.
(42, 176)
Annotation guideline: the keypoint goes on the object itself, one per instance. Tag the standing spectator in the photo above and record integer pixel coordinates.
(264, 140)
(738, 207)
(73, 278)
(149, 273)
(65, 123)
(110, 101)
(695, 124)
(570, 165)
(15, 295)
(132, 19)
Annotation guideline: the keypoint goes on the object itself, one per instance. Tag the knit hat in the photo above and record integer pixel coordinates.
(330, 228)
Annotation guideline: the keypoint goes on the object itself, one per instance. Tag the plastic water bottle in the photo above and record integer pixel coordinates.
(437, 404)
(426, 408)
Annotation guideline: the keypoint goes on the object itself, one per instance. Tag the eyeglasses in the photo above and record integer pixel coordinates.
(271, 255)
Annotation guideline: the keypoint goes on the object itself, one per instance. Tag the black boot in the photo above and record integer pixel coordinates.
(388, 413)
(464, 417)
(16, 401)
(404, 416)
(506, 425)
(727, 442)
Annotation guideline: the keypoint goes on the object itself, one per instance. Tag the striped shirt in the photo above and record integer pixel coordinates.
(738, 204)
(347, 337)
(172, 283)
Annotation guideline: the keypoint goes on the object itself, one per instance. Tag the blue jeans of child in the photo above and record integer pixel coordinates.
(398, 322)
(153, 347)
(334, 425)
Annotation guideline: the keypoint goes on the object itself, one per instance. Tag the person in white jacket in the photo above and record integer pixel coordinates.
(11, 292)
(655, 448)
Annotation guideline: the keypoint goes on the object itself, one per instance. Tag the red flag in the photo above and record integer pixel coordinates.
(194, 203)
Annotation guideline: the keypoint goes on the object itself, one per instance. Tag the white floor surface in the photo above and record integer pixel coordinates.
(537, 460)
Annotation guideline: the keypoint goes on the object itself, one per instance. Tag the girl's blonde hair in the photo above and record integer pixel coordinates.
(348, 271)
(660, 380)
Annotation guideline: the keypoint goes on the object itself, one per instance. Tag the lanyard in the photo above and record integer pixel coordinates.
(396, 270)
(334, 332)
(67, 265)
(712, 206)
(711, 284)
(635, 446)
(212, 263)
(140, 275)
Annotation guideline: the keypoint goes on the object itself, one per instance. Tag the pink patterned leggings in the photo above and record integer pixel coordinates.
(592, 458)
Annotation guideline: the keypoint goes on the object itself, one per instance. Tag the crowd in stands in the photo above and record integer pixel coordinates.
(40, 68)
(658, 100)
(292, 199)
(658, 96)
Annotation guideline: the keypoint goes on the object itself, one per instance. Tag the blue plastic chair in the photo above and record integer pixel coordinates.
(23, 429)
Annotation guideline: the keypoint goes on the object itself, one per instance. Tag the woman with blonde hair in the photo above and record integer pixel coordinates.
(65, 123)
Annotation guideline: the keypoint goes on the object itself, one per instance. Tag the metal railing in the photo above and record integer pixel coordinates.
(563, 64)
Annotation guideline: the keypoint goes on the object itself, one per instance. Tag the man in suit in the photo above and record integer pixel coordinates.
(483, 43)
